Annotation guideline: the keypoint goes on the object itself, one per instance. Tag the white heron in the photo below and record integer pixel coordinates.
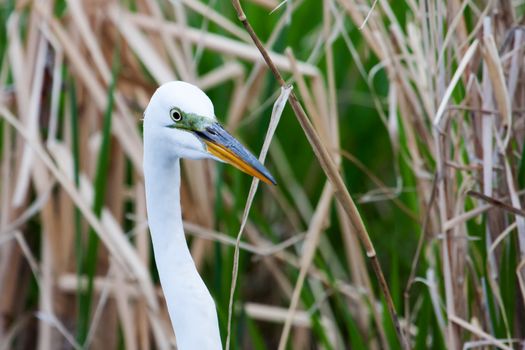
(179, 122)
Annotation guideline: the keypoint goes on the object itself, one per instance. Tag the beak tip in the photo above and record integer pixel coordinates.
(268, 178)
(226, 148)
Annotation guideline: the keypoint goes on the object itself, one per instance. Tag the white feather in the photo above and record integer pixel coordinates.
(191, 308)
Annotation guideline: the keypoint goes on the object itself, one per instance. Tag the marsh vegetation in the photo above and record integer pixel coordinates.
(413, 111)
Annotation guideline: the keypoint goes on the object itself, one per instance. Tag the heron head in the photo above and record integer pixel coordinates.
(181, 118)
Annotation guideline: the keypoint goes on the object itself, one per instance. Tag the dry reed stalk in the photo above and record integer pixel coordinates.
(318, 122)
(214, 42)
(252, 234)
(471, 328)
(269, 4)
(333, 175)
(141, 46)
(143, 249)
(259, 249)
(82, 25)
(126, 314)
(360, 276)
(277, 111)
(181, 20)
(217, 18)
(280, 315)
(10, 268)
(314, 233)
(70, 282)
(228, 71)
(121, 126)
(310, 246)
(171, 47)
(252, 87)
(244, 95)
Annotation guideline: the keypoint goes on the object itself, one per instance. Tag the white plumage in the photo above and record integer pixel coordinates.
(179, 122)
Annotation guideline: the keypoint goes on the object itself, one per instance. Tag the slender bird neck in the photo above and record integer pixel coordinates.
(191, 308)
(162, 179)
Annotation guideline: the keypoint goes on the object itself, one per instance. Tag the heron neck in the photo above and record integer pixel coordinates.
(191, 308)
(162, 180)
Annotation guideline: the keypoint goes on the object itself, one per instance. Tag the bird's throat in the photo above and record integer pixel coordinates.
(162, 180)
(190, 305)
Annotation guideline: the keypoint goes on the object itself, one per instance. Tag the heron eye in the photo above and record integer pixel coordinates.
(175, 115)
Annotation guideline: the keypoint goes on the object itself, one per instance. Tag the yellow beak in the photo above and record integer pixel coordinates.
(225, 147)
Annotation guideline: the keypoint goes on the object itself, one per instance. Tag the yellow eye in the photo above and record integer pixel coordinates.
(175, 115)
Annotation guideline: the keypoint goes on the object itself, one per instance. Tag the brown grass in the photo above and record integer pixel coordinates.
(454, 116)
